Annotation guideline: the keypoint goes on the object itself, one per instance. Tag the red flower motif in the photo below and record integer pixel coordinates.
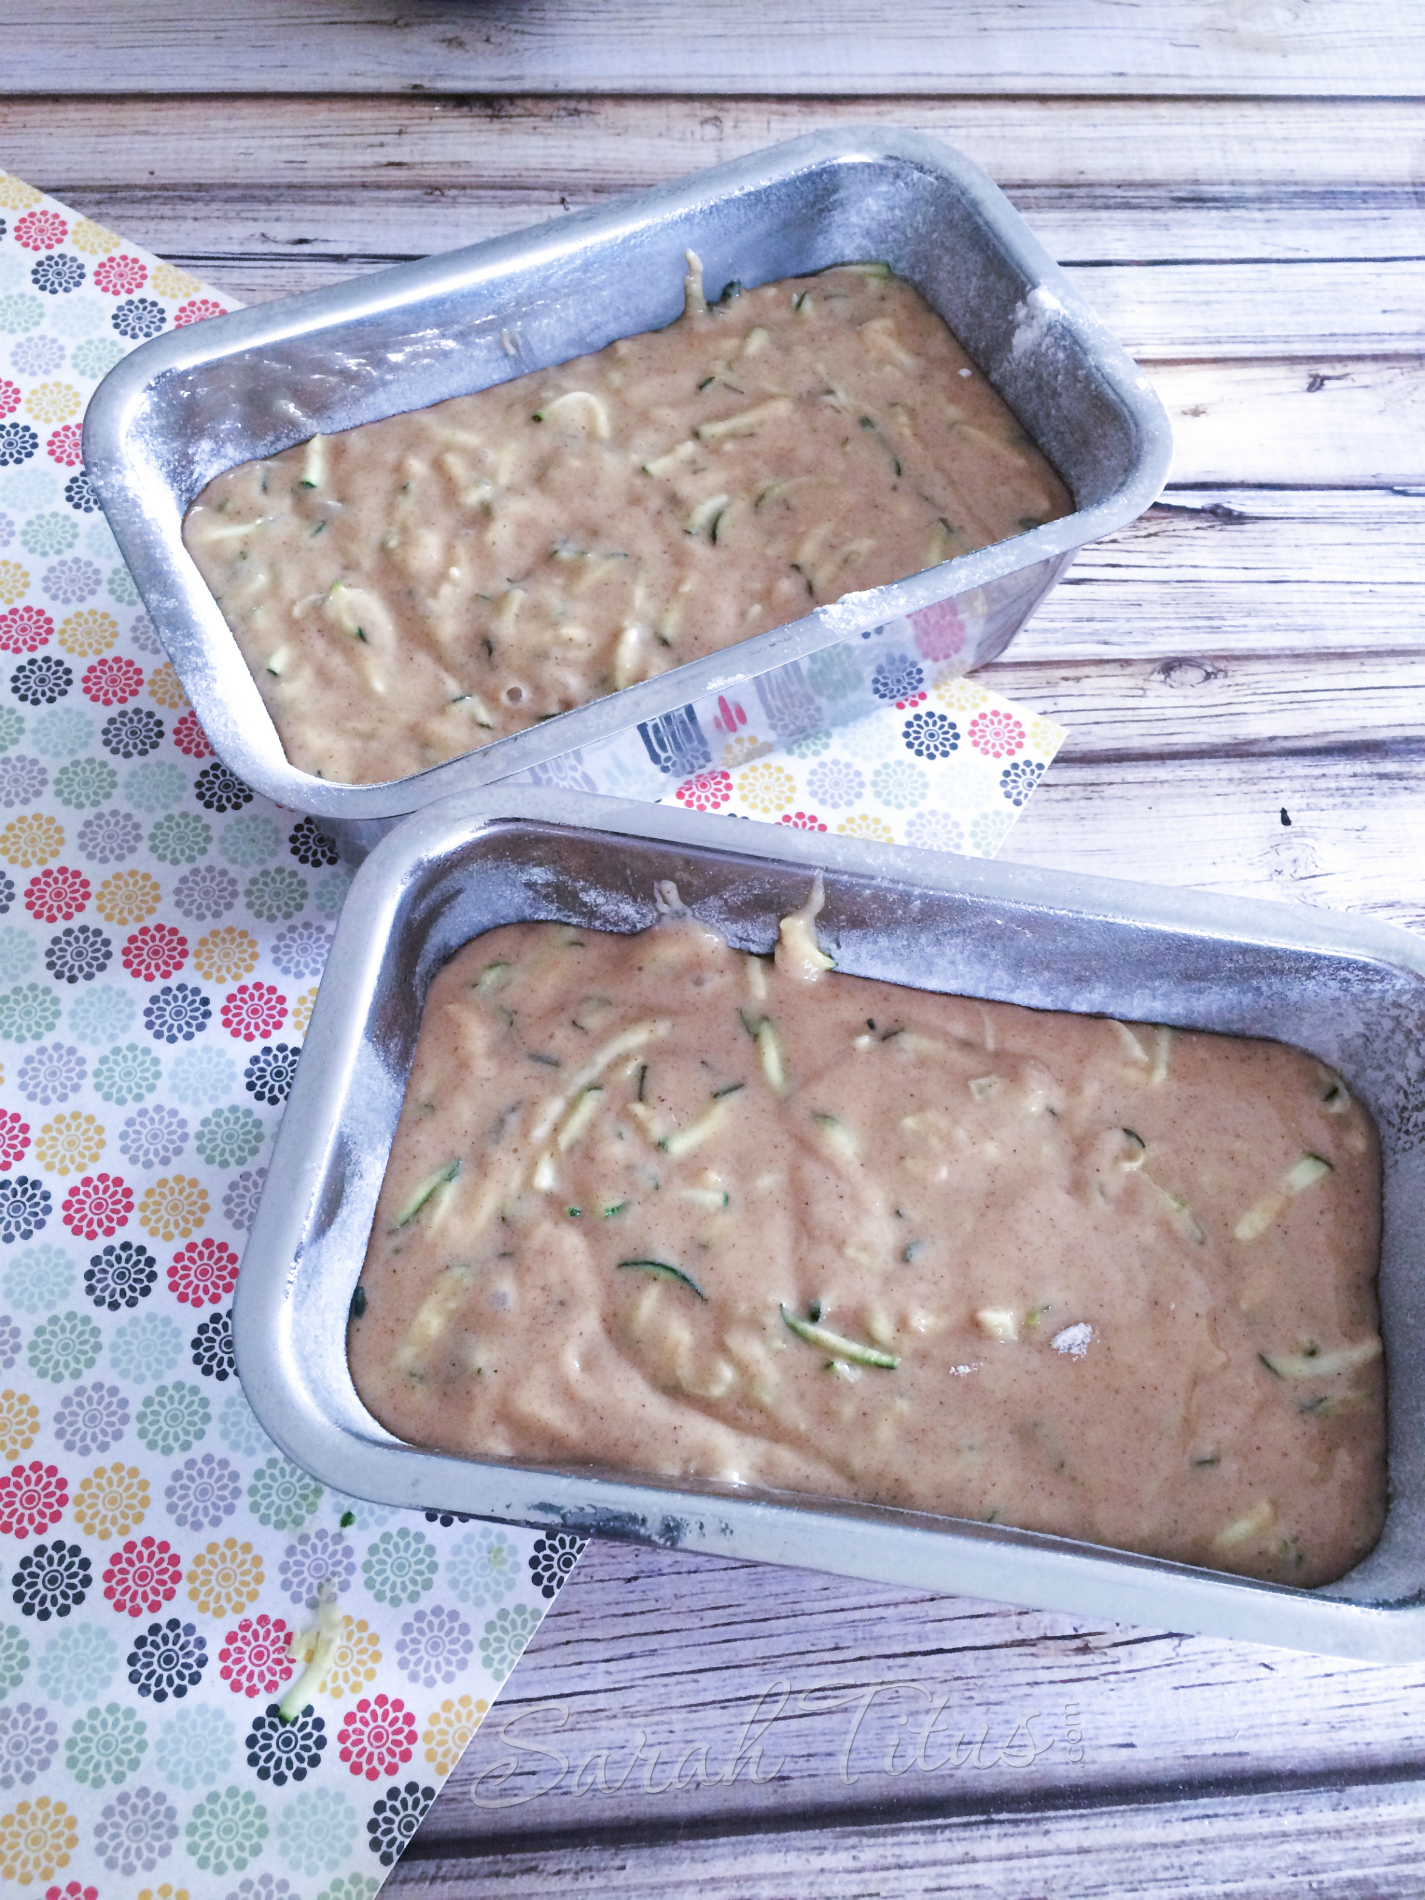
(939, 631)
(14, 1138)
(203, 1273)
(143, 1576)
(40, 231)
(73, 1891)
(120, 275)
(9, 398)
(190, 737)
(709, 791)
(154, 952)
(196, 311)
(112, 681)
(99, 1204)
(997, 734)
(57, 894)
(32, 1499)
(254, 1009)
(378, 1738)
(66, 445)
(801, 821)
(906, 705)
(255, 1659)
(24, 629)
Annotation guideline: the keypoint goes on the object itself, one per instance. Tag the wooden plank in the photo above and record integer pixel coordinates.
(586, 146)
(1332, 48)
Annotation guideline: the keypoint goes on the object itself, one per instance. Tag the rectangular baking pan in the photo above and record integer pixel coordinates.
(196, 401)
(1349, 989)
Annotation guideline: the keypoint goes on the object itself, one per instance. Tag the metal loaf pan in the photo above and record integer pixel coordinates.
(192, 403)
(1346, 988)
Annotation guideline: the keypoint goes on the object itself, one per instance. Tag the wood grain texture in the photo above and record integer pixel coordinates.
(1335, 47)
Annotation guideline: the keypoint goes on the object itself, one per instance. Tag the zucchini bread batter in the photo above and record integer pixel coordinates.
(659, 1205)
(417, 587)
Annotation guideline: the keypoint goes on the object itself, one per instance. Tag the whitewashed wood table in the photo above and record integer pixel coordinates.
(1240, 189)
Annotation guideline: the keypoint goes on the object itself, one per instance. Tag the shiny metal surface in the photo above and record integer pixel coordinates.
(1349, 989)
(196, 401)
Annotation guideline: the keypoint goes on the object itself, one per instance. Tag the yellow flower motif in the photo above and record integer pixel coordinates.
(165, 1892)
(16, 195)
(354, 1662)
(864, 824)
(1044, 736)
(744, 747)
(165, 688)
(70, 1143)
(226, 955)
(95, 240)
(449, 1731)
(37, 1837)
(957, 694)
(174, 1207)
(225, 1579)
(14, 579)
(167, 281)
(53, 402)
(111, 1502)
(34, 839)
(766, 787)
(90, 631)
(301, 1010)
(128, 897)
(19, 1421)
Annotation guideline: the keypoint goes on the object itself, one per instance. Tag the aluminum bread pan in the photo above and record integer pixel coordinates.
(196, 401)
(1349, 989)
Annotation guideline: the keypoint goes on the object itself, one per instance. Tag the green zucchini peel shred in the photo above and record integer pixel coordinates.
(441, 1178)
(839, 1348)
(667, 1272)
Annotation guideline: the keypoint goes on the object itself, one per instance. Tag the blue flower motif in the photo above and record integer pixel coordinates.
(156, 785)
(105, 1746)
(435, 1646)
(95, 356)
(64, 1346)
(199, 1076)
(177, 1012)
(227, 1830)
(78, 953)
(39, 1279)
(167, 1660)
(17, 955)
(358, 1513)
(987, 833)
(51, 1073)
(38, 355)
(250, 839)
(24, 1208)
(400, 1566)
(196, 1748)
(12, 727)
(202, 1492)
(317, 1831)
(14, 1658)
(52, 1579)
(135, 1831)
(109, 837)
(506, 1635)
(121, 1275)
(483, 1567)
(131, 732)
(126, 1075)
(48, 534)
(153, 1137)
(315, 1558)
(898, 783)
(896, 677)
(935, 831)
(180, 837)
(145, 1347)
(91, 1420)
(931, 735)
(9, 1342)
(1017, 781)
(28, 1744)
(139, 317)
(57, 274)
(835, 783)
(42, 679)
(121, 587)
(173, 1418)
(78, 1664)
(276, 893)
(71, 581)
(301, 949)
(811, 745)
(241, 1197)
(101, 1015)
(270, 1073)
(7, 531)
(229, 1136)
(330, 894)
(143, 636)
(61, 731)
(22, 779)
(282, 1496)
(205, 893)
(239, 1430)
(18, 314)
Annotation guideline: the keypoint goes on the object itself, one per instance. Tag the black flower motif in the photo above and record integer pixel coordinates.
(446, 1518)
(212, 1348)
(1017, 781)
(205, 893)
(78, 954)
(931, 735)
(310, 845)
(285, 1751)
(167, 1660)
(41, 680)
(269, 1073)
(552, 1559)
(18, 443)
(58, 274)
(122, 1275)
(395, 1818)
(24, 1208)
(897, 677)
(132, 733)
(139, 317)
(79, 493)
(177, 1013)
(52, 1580)
(218, 789)
(7, 893)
